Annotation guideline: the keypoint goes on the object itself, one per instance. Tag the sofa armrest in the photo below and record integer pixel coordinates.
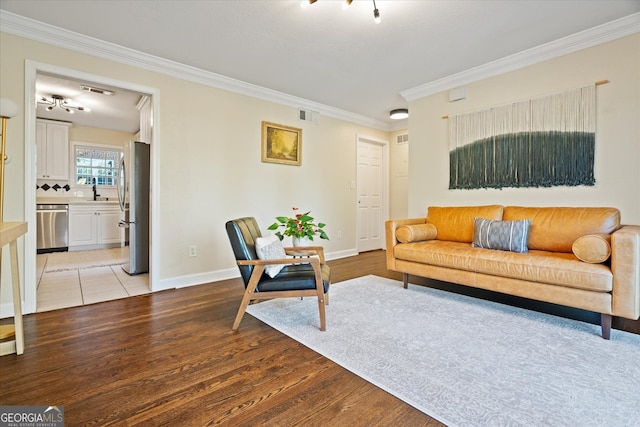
(391, 241)
(625, 265)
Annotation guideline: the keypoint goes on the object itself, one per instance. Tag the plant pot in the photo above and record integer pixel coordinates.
(301, 241)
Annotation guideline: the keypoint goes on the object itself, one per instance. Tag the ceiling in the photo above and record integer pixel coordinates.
(116, 112)
(322, 53)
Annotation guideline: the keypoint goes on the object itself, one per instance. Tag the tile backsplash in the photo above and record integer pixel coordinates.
(62, 189)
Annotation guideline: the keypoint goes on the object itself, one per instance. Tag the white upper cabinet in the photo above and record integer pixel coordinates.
(52, 140)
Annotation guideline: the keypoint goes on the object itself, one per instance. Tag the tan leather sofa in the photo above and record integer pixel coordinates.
(567, 261)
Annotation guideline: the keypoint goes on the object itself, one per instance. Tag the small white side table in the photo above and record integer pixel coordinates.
(9, 234)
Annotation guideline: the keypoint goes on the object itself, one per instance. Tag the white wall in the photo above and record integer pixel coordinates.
(617, 162)
(209, 163)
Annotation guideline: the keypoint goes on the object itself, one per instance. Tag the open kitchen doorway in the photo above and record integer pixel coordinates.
(145, 119)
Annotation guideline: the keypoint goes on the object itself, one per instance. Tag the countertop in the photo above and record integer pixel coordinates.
(74, 201)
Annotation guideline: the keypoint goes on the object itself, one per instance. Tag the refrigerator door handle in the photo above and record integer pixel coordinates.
(122, 184)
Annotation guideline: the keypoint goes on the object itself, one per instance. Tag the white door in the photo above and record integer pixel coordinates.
(371, 197)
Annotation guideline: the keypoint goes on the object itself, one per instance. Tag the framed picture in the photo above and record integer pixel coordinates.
(281, 144)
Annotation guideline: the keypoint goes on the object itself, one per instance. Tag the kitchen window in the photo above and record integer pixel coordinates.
(96, 162)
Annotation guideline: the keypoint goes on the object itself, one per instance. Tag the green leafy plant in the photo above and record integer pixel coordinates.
(301, 225)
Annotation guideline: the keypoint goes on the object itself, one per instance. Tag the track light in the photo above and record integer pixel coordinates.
(399, 114)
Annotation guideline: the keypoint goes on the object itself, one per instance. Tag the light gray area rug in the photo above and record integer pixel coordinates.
(469, 362)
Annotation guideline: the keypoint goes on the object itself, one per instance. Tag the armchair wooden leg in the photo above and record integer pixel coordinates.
(243, 307)
(248, 292)
(323, 319)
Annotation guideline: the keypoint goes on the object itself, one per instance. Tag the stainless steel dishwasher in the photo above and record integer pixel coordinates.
(53, 227)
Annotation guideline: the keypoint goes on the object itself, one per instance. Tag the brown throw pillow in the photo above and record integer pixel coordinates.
(592, 248)
(416, 233)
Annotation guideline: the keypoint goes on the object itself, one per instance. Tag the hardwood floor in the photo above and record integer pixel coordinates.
(170, 358)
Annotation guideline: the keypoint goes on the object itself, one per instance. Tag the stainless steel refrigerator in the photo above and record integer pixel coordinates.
(133, 195)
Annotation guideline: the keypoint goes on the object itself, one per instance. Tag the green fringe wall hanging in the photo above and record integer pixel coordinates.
(541, 142)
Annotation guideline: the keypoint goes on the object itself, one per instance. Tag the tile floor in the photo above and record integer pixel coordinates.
(81, 286)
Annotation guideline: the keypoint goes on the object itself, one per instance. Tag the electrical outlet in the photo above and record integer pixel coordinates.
(339, 234)
(193, 251)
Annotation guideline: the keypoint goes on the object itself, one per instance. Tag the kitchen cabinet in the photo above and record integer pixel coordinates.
(52, 140)
(94, 225)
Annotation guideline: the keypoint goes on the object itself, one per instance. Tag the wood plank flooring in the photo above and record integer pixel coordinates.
(170, 358)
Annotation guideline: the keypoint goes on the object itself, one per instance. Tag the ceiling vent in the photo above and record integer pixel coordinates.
(308, 116)
(402, 139)
(92, 89)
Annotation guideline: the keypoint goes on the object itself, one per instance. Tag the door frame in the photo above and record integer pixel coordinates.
(385, 182)
(32, 69)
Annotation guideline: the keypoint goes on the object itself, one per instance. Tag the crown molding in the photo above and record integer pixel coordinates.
(592, 37)
(49, 34)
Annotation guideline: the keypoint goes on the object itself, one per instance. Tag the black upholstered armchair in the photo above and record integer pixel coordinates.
(306, 274)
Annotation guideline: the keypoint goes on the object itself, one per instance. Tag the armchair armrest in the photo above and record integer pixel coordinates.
(259, 265)
(263, 262)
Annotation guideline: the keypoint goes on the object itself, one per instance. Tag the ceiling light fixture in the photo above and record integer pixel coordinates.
(346, 4)
(61, 102)
(376, 13)
(399, 114)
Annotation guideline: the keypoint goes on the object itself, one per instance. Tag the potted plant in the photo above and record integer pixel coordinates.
(301, 228)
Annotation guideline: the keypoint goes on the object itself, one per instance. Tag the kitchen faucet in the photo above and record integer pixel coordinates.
(95, 195)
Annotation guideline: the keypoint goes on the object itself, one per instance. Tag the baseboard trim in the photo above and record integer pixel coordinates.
(229, 273)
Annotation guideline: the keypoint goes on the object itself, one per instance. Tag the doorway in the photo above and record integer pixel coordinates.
(372, 189)
(32, 71)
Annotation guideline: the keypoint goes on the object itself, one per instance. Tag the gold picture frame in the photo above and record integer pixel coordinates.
(281, 144)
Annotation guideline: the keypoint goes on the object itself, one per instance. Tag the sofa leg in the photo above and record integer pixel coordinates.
(405, 280)
(605, 324)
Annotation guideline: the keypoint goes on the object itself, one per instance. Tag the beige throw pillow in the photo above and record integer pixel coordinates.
(416, 233)
(271, 247)
(592, 248)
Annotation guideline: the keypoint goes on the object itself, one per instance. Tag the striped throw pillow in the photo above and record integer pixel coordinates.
(503, 235)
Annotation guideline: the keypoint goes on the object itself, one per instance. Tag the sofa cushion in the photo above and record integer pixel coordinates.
(536, 266)
(555, 229)
(502, 235)
(416, 233)
(455, 224)
(592, 248)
